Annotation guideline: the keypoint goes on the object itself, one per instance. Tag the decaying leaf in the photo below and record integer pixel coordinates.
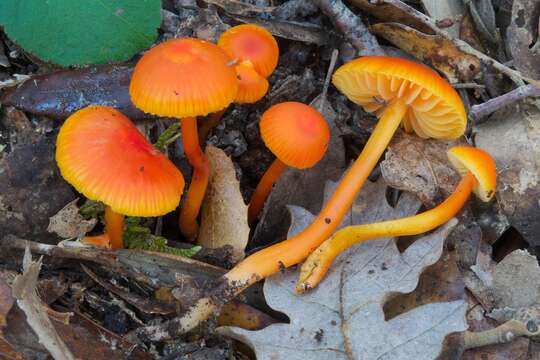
(298, 187)
(24, 290)
(224, 213)
(6, 301)
(522, 35)
(343, 317)
(59, 94)
(446, 13)
(68, 223)
(419, 166)
(437, 50)
(512, 137)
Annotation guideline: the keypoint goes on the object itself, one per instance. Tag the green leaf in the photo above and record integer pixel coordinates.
(80, 32)
(140, 237)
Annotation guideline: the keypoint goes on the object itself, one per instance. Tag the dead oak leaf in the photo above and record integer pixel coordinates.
(343, 317)
(224, 213)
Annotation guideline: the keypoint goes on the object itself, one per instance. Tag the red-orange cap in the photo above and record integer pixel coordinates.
(254, 43)
(183, 78)
(251, 86)
(435, 108)
(296, 133)
(102, 154)
(481, 164)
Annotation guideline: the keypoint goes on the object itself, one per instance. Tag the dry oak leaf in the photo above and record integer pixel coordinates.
(343, 317)
(68, 223)
(224, 213)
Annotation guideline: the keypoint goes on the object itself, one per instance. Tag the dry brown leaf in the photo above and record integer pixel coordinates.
(437, 50)
(68, 223)
(446, 13)
(6, 301)
(224, 213)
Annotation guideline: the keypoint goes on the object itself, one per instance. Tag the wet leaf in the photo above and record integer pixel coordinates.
(58, 31)
(58, 94)
(437, 50)
(224, 213)
(68, 223)
(512, 137)
(343, 317)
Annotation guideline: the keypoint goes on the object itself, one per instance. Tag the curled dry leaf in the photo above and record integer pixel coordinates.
(512, 137)
(224, 213)
(68, 223)
(522, 34)
(343, 317)
(437, 50)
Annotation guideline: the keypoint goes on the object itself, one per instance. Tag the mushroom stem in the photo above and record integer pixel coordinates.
(114, 231)
(211, 122)
(114, 226)
(318, 263)
(295, 249)
(199, 180)
(263, 189)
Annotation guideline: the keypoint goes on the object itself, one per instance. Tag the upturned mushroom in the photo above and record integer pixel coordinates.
(255, 53)
(185, 78)
(298, 136)
(479, 175)
(102, 154)
(398, 91)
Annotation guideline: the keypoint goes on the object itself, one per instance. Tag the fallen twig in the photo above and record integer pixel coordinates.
(502, 334)
(480, 111)
(351, 26)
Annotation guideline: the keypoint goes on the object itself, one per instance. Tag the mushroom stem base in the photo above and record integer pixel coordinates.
(199, 181)
(263, 189)
(318, 263)
(114, 231)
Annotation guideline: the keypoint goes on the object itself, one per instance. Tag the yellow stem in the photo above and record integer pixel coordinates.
(318, 263)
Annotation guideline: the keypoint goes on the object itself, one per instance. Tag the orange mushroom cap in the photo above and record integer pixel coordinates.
(480, 164)
(435, 108)
(183, 78)
(102, 154)
(296, 133)
(251, 86)
(254, 43)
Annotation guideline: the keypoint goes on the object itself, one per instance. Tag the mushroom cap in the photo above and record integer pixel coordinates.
(296, 133)
(254, 43)
(435, 108)
(102, 154)
(183, 78)
(251, 86)
(480, 164)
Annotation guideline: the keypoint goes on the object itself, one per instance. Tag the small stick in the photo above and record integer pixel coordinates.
(502, 334)
(480, 111)
(331, 67)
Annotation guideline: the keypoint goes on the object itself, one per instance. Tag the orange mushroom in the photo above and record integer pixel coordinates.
(102, 154)
(185, 78)
(398, 91)
(255, 53)
(298, 135)
(479, 175)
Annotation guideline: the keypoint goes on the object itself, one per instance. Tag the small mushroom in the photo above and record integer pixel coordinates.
(255, 53)
(102, 154)
(479, 175)
(298, 135)
(185, 78)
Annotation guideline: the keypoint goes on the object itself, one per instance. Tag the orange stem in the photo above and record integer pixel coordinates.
(114, 231)
(318, 263)
(263, 189)
(295, 249)
(197, 189)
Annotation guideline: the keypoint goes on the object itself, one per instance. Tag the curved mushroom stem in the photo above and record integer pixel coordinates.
(318, 263)
(211, 122)
(114, 231)
(291, 251)
(195, 195)
(263, 189)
